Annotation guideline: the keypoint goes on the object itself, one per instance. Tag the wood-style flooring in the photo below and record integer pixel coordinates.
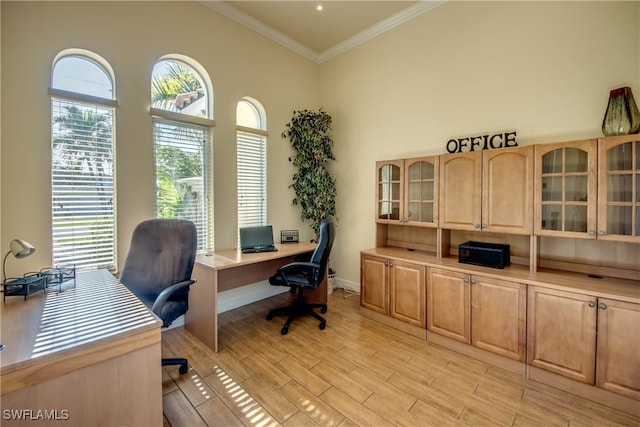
(356, 372)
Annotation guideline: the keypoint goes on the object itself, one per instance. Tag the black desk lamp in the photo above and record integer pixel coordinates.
(20, 249)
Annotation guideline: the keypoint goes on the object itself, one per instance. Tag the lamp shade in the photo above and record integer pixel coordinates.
(20, 248)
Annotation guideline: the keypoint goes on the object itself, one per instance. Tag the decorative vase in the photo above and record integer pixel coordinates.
(622, 116)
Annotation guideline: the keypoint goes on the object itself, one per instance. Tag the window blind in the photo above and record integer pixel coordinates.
(252, 177)
(181, 169)
(83, 221)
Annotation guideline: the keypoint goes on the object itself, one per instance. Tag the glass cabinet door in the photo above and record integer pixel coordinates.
(421, 191)
(566, 189)
(389, 191)
(619, 188)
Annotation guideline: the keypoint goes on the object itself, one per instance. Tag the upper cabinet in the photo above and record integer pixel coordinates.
(490, 190)
(619, 188)
(566, 189)
(407, 192)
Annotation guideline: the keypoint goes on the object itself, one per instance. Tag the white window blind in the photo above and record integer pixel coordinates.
(181, 169)
(83, 222)
(252, 178)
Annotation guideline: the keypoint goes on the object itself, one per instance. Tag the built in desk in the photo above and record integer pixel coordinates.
(87, 356)
(224, 270)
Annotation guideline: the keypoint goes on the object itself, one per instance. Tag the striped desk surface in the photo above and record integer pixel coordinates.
(46, 328)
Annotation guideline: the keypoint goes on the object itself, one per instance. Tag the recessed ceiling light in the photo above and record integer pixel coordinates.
(319, 7)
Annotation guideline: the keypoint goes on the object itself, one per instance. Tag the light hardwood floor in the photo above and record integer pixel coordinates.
(354, 373)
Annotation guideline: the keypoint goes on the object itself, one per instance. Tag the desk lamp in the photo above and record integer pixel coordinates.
(20, 249)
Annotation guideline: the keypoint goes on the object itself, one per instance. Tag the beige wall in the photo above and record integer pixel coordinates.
(543, 69)
(131, 36)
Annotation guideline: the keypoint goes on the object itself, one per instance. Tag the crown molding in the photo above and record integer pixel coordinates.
(379, 28)
(242, 18)
(393, 21)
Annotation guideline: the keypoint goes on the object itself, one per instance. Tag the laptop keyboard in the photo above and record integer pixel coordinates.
(259, 249)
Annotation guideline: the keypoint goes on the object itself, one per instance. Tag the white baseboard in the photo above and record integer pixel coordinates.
(237, 297)
(346, 284)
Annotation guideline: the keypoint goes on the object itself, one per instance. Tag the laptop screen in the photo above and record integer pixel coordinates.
(252, 237)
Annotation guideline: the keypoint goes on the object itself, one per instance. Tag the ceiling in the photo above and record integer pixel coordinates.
(321, 34)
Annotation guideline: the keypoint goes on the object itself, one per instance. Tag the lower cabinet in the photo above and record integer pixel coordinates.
(585, 338)
(393, 288)
(488, 313)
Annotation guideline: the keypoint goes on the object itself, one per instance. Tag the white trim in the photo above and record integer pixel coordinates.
(183, 118)
(386, 24)
(238, 297)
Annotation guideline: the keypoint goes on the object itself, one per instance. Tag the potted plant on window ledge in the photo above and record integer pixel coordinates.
(314, 186)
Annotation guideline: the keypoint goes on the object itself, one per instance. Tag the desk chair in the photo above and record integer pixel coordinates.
(158, 269)
(305, 275)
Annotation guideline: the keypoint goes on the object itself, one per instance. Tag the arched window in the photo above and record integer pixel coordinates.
(82, 162)
(251, 163)
(182, 109)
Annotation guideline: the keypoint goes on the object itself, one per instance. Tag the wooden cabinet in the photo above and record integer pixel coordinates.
(393, 288)
(490, 190)
(485, 312)
(562, 331)
(498, 316)
(619, 188)
(566, 189)
(449, 304)
(407, 192)
(618, 362)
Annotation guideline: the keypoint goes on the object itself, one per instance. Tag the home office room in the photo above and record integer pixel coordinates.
(483, 242)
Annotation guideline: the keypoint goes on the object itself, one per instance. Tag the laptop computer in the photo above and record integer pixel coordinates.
(256, 239)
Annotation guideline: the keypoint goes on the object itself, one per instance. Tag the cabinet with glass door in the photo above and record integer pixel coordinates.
(566, 188)
(619, 188)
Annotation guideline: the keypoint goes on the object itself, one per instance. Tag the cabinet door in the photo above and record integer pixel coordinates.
(566, 189)
(407, 292)
(461, 191)
(498, 316)
(561, 333)
(373, 287)
(421, 191)
(507, 190)
(449, 304)
(618, 361)
(619, 188)
(390, 191)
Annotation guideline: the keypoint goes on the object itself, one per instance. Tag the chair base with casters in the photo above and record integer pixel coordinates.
(184, 365)
(299, 308)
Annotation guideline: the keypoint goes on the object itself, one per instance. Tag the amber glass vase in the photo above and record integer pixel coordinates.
(622, 116)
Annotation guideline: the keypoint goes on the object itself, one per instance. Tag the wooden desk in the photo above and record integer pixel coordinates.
(89, 355)
(224, 270)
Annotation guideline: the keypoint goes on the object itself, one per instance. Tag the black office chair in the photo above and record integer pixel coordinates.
(305, 275)
(158, 269)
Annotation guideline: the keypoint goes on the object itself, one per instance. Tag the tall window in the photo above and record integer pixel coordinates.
(82, 161)
(182, 110)
(251, 163)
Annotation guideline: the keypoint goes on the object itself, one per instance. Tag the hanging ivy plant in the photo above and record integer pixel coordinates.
(314, 186)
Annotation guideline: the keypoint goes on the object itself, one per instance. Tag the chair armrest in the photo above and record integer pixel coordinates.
(294, 268)
(166, 293)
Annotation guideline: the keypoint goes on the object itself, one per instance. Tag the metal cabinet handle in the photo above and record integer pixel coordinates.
(592, 233)
(465, 280)
(603, 306)
(484, 225)
(592, 304)
(602, 233)
(477, 225)
(473, 281)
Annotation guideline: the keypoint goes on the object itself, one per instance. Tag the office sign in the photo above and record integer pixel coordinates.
(482, 142)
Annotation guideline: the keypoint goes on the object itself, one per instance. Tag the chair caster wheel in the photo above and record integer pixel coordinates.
(269, 316)
(284, 330)
(322, 325)
(183, 369)
(323, 310)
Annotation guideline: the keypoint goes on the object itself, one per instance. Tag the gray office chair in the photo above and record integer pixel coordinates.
(305, 275)
(158, 270)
